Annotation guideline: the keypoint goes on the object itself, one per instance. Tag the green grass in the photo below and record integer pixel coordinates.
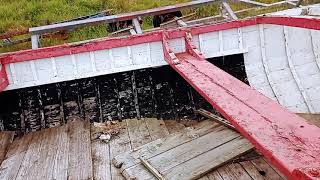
(22, 14)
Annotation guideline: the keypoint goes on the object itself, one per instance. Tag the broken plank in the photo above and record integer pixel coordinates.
(118, 145)
(159, 146)
(215, 118)
(157, 128)
(100, 157)
(80, 162)
(14, 157)
(6, 138)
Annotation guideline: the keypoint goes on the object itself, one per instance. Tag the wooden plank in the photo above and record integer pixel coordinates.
(61, 158)
(6, 138)
(118, 145)
(312, 118)
(14, 157)
(275, 169)
(173, 126)
(80, 162)
(233, 171)
(159, 146)
(265, 169)
(214, 175)
(215, 118)
(252, 170)
(210, 160)
(151, 169)
(157, 128)
(29, 166)
(194, 160)
(100, 157)
(138, 132)
(119, 17)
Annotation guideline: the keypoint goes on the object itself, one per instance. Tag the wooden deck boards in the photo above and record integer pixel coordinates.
(68, 152)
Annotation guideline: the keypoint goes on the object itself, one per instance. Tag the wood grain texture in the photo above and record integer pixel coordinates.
(312, 118)
(14, 157)
(157, 128)
(80, 161)
(120, 144)
(6, 138)
(159, 146)
(181, 159)
(233, 171)
(138, 132)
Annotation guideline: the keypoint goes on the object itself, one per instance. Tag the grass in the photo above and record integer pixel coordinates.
(21, 14)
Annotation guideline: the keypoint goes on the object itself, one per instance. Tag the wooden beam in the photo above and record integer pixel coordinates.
(215, 118)
(151, 169)
(229, 10)
(119, 17)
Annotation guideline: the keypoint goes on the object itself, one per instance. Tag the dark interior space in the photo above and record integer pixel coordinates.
(154, 92)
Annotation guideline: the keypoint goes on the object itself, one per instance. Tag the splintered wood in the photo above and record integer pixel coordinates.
(188, 154)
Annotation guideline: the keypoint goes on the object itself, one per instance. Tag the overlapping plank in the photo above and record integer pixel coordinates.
(159, 146)
(14, 157)
(265, 169)
(6, 137)
(138, 132)
(80, 162)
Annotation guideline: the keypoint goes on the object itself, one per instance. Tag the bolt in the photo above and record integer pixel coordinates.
(314, 173)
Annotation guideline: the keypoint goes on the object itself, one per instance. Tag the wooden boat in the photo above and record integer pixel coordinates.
(129, 77)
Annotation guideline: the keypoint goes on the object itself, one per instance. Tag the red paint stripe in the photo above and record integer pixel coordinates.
(4, 82)
(68, 49)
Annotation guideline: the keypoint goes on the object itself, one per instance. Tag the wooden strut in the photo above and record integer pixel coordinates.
(215, 118)
(153, 170)
(284, 138)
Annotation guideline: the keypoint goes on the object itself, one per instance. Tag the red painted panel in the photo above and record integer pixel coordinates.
(3, 78)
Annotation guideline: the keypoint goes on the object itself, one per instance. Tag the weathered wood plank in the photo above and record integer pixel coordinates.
(312, 118)
(210, 160)
(233, 171)
(14, 157)
(157, 128)
(6, 138)
(159, 146)
(267, 171)
(275, 169)
(173, 126)
(118, 145)
(80, 161)
(101, 161)
(185, 163)
(138, 132)
(214, 175)
(252, 170)
(29, 166)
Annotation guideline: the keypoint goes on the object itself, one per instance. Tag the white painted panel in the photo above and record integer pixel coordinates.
(311, 81)
(195, 41)
(210, 43)
(121, 56)
(274, 42)
(251, 38)
(300, 43)
(156, 53)
(23, 72)
(44, 70)
(316, 105)
(140, 54)
(314, 92)
(65, 68)
(315, 37)
(230, 39)
(102, 60)
(177, 45)
(83, 63)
